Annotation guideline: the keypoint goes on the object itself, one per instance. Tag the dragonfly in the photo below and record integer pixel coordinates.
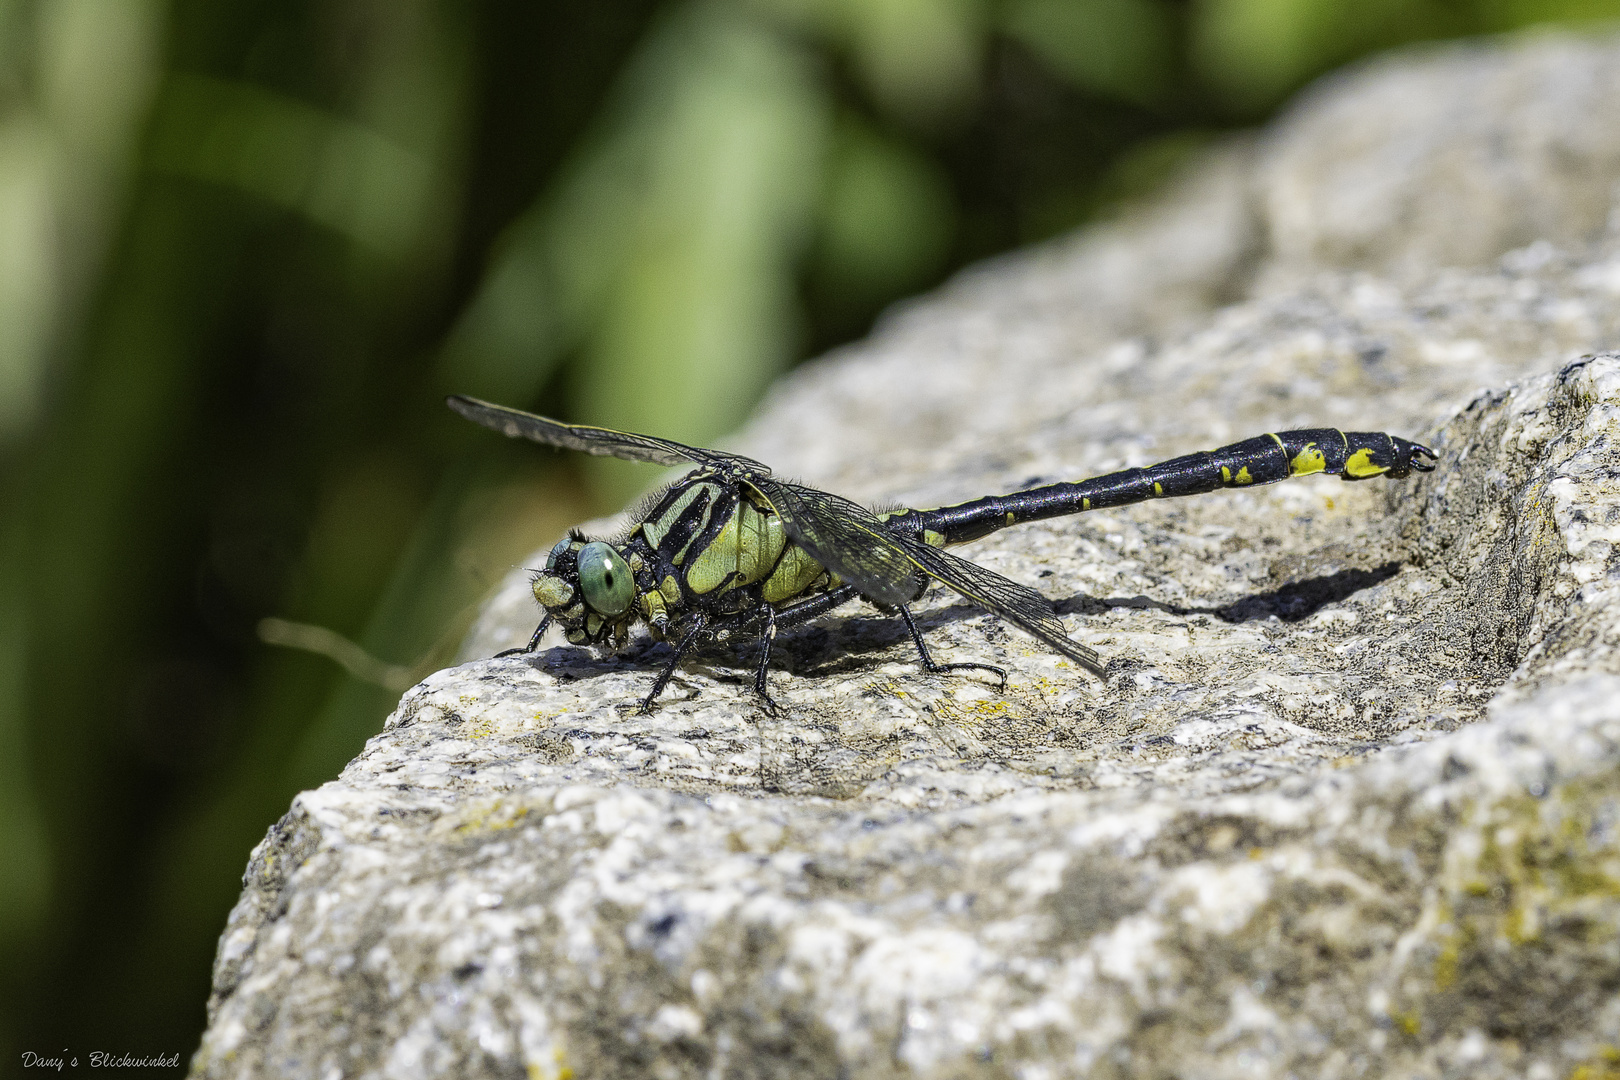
(731, 548)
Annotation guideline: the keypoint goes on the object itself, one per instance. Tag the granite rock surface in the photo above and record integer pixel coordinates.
(1346, 801)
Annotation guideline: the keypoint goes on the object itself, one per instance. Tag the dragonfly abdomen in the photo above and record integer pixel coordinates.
(1265, 459)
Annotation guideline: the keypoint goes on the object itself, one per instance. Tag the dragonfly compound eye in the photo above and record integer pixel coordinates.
(562, 546)
(605, 579)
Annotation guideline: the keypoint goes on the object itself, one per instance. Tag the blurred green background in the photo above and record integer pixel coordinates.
(246, 248)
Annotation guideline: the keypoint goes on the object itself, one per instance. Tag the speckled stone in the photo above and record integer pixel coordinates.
(1345, 803)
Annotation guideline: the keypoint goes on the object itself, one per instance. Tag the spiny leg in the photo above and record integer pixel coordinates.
(534, 642)
(700, 624)
(928, 661)
(767, 638)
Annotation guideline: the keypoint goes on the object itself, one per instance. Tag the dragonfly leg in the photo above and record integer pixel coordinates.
(534, 642)
(805, 610)
(700, 625)
(928, 661)
(767, 638)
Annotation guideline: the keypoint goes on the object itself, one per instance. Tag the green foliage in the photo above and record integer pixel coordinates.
(246, 248)
(1123, 48)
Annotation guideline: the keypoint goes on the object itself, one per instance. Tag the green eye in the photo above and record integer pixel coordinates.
(604, 577)
(562, 546)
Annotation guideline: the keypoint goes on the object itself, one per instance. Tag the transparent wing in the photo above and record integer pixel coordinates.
(846, 538)
(1023, 607)
(603, 442)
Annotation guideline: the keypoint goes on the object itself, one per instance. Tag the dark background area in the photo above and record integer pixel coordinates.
(247, 248)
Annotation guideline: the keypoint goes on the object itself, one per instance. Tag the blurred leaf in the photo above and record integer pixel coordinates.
(919, 59)
(1254, 52)
(669, 254)
(337, 173)
(887, 216)
(703, 314)
(1117, 47)
(28, 271)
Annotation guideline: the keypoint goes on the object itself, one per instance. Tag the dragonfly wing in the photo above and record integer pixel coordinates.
(1022, 606)
(603, 442)
(846, 538)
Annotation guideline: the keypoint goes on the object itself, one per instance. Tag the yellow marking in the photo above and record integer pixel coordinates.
(1226, 475)
(933, 539)
(1158, 488)
(760, 540)
(795, 573)
(1243, 477)
(670, 590)
(1307, 461)
(574, 613)
(717, 563)
(1010, 518)
(1085, 504)
(1277, 439)
(652, 605)
(593, 624)
(1360, 464)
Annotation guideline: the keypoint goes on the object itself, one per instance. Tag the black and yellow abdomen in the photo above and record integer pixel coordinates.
(1265, 459)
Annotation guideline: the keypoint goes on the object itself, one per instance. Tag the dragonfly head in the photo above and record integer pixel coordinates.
(588, 587)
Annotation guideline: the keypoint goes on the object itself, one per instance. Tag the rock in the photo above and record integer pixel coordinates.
(1347, 801)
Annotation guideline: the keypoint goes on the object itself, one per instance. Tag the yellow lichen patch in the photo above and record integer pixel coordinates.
(1360, 464)
(556, 1069)
(1606, 1066)
(492, 816)
(1445, 965)
(1307, 461)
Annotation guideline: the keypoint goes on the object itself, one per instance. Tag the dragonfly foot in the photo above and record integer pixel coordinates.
(937, 669)
(644, 707)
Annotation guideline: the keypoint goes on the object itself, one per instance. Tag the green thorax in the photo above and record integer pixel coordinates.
(709, 540)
